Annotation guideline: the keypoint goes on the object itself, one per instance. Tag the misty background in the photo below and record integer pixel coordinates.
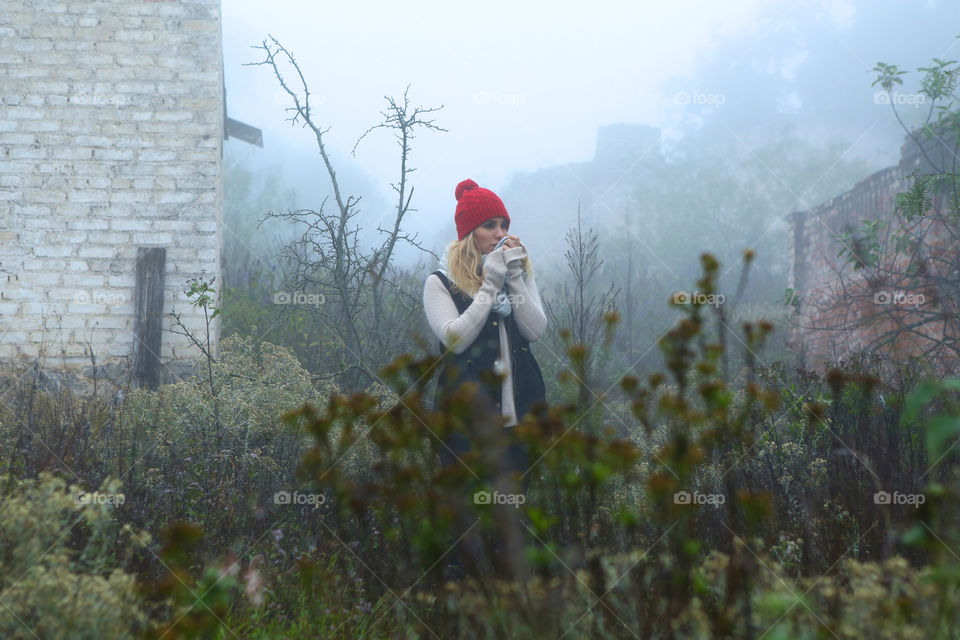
(675, 128)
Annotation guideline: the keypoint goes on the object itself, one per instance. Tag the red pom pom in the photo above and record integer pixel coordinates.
(466, 185)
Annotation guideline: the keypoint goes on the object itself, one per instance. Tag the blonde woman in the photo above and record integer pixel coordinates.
(485, 310)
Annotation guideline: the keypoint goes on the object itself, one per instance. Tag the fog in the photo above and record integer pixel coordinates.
(524, 89)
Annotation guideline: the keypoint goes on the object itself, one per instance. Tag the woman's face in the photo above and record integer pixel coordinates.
(488, 234)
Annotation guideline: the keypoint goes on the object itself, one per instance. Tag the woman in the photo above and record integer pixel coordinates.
(485, 310)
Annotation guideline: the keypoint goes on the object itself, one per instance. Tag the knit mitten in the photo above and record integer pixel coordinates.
(495, 269)
(514, 257)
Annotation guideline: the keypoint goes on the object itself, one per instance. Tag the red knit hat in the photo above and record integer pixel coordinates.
(476, 205)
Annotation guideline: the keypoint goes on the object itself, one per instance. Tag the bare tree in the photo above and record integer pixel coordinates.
(403, 121)
(327, 259)
(582, 316)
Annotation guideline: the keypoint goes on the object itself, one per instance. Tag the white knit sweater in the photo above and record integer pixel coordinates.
(461, 330)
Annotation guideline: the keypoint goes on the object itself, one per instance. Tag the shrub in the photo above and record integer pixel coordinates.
(60, 565)
(217, 457)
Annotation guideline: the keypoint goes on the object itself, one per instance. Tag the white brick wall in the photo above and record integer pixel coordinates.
(110, 138)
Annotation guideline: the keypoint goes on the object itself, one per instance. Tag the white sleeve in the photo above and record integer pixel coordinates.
(527, 309)
(455, 331)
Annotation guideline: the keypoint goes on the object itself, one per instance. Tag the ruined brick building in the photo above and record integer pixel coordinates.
(111, 126)
(840, 312)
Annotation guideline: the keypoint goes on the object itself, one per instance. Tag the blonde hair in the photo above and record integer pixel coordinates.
(463, 264)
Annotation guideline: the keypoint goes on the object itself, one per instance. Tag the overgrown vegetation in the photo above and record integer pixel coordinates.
(741, 504)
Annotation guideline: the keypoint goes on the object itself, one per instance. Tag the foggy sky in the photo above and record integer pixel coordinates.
(526, 86)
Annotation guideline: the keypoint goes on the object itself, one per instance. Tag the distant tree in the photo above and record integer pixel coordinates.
(582, 319)
(721, 198)
(247, 254)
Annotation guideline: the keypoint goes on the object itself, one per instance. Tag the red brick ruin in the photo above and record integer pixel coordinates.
(842, 313)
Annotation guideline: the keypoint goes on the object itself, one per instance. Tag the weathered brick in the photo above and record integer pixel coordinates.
(20, 293)
(53, 251)
(130, 197)
(17, 139)
(40, 126)
(87, 309)
(89, 195)
(151, 155)
(110, 128)
(96, 252)
(175, 197)
(84, 281)
(113, 154)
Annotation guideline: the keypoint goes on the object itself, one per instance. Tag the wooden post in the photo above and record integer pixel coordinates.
(148, 322)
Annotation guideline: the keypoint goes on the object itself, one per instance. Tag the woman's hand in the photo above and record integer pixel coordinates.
(515, 258)
(495, 269)
(512, 241)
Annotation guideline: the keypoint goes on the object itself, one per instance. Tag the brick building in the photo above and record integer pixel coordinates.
(111, 126)
(841, 312)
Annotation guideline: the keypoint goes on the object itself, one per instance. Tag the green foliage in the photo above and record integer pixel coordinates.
(915, 202)
(790, 297)
(936, 403)
(888, 599)
(189, 607)
(187, 470)
(939, 79)
(61, 558)
(942, 429)
(254, 381)
(201, 295)
(249, 311)
(863, 248)
(887, 76)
